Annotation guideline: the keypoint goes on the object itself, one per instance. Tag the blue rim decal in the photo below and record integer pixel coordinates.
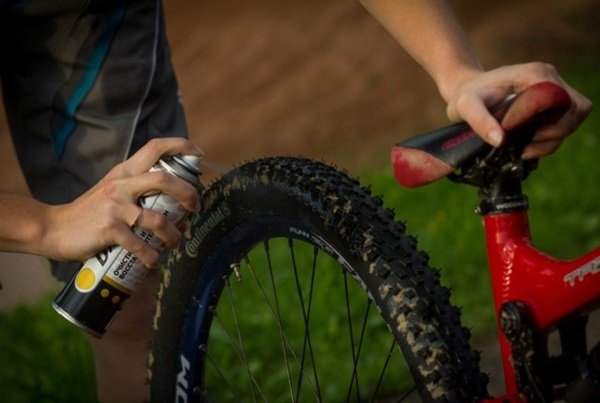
(89, 78)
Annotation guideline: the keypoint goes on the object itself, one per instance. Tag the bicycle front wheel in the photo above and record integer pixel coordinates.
(295, 284)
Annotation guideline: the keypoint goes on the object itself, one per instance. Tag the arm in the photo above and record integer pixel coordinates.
(21, 223)
(102, 216)
(431, 34)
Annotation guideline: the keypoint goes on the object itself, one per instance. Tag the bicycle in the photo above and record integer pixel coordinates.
(350, 261)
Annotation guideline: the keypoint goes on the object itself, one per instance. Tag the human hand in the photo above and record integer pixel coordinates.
(472, 97)
(105, 214)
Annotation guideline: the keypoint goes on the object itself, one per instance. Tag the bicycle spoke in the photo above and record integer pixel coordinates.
(278, 317)
(310, 300)
(407, 394)
(239, 335)
(354, 377)
(242, 350)
(385, 365)
(279, 323)
(306, 316)
(351, 331)
(232, 388)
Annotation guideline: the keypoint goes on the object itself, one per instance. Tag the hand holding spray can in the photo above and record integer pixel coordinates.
(94, 296)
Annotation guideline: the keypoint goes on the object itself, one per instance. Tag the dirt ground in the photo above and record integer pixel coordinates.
(320, 79)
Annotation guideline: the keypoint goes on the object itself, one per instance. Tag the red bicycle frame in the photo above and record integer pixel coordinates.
(552, 290)
(533, 293)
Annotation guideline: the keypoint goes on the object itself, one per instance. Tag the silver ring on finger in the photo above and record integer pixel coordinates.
(138, 218)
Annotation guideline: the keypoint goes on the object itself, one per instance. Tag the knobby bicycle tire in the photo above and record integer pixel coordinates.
(303, 202)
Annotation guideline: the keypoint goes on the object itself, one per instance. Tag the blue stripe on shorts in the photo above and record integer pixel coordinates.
(94, 64)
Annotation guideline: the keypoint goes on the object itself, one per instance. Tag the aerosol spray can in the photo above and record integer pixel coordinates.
(94, 296)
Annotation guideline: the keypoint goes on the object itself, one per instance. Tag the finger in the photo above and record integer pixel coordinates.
(473, 111)
(128, 214)
(548, 138)
(540, 149)
(152, 151)
(581, 106)
(568, 123)
(149, 183)
(557, 131)
(160, 226)
(136, 245)
(148, 155)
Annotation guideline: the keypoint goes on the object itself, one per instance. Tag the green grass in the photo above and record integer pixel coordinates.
(46, 359)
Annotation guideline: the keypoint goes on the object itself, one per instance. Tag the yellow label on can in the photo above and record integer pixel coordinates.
(85, 279)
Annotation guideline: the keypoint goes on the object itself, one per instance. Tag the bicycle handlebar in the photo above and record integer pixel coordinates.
(433, 155)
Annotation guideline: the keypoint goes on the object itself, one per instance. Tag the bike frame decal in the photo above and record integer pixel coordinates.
(579, 274)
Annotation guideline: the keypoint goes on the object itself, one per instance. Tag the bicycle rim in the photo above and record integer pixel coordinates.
(332, 344)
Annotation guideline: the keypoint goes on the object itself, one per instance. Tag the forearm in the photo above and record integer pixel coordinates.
(22, 224)
(104, 215)
(441, 47)
(431, 34)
